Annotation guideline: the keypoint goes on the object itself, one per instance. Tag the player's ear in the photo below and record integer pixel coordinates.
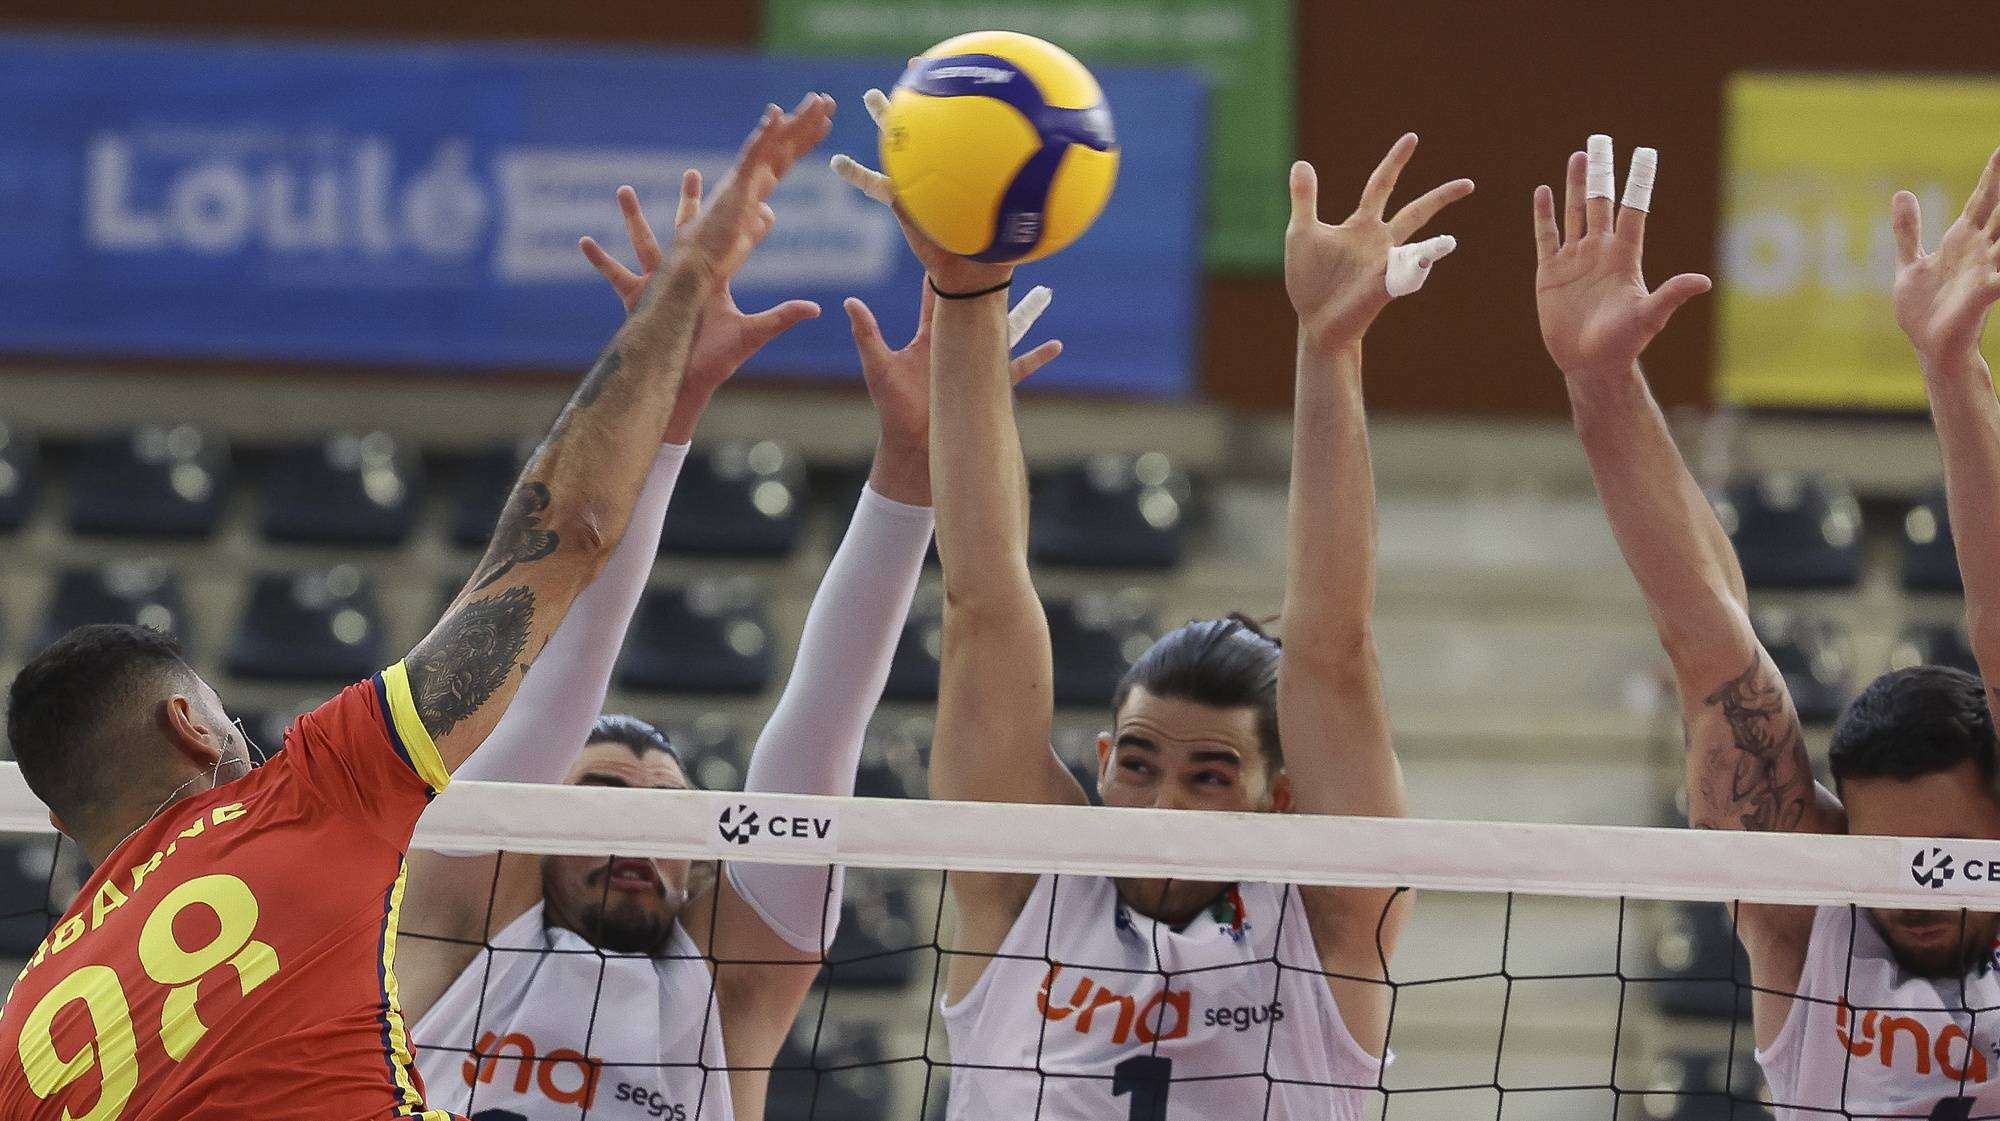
(189, 732)
(1281, 793)
(1103, 759)
(56, 823)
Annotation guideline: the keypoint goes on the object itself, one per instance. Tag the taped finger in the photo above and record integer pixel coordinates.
(874, 184)
(1600, 185)
(1410, 265)
(1639, 180)
(1023, 317)
(877, 104)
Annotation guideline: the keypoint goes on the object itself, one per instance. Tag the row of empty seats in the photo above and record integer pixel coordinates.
(733, 499)
(708, 636)
(1794, 531)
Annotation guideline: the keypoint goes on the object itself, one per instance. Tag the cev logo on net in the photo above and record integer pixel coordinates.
(1932, 867)
(743, 825)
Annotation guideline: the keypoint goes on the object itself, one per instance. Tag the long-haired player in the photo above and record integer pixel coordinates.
(1083, 997)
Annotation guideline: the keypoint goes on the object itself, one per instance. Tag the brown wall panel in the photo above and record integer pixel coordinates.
(1500, 90)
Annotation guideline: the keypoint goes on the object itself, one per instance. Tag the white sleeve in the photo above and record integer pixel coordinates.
(812, 744)
(544, 728)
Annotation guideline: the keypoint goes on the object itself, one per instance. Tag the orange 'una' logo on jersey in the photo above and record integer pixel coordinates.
(1146, 1022)
(530, 1065)
(1877, 1035)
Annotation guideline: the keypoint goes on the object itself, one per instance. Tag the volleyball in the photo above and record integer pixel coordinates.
(1000, 146)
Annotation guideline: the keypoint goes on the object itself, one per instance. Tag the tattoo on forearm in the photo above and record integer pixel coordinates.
(607, 367)
(1766, 785)
(460, 666)
(519, 538)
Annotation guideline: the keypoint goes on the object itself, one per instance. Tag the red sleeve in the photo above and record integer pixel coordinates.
(368, 756)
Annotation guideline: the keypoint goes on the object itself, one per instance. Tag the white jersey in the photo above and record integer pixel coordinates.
(1870, 1040)
(1107, 1004)
(567, 1032)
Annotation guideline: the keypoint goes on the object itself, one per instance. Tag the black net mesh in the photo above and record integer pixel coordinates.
(1500, 1005)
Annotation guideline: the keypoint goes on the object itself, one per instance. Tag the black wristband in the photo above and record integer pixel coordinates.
(944, 295)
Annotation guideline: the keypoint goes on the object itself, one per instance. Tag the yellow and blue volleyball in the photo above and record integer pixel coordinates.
(1000, 146)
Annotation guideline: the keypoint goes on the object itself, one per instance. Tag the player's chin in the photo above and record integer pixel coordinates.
(1170, 901)
(1935, 951)
(630, 926)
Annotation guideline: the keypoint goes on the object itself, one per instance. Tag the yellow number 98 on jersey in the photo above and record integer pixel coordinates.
(1000, 146)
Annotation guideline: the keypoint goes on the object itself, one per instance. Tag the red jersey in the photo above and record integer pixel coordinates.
(235, 956)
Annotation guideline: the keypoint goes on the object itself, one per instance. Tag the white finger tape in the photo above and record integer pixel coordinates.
(1023, 317)
(1639, 180)
(877, 104)
(1600, 181)
(874, 184)
(1410, 265)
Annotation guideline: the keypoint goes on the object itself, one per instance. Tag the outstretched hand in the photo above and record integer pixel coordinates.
(728, 337)
(1341, 277)
(1943, 298)
(951, 271)
(1596, 313)
(720, 239)
(899, 381)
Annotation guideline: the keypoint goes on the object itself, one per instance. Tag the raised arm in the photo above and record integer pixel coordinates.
(1943, 300)
(456, 900)
(1332, 719)
(1747, 763)
(774, 918)
(576, 495)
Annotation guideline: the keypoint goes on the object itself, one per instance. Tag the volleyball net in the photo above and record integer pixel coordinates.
(1545, 971)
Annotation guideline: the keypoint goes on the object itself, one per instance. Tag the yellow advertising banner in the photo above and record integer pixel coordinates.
(1807, 259)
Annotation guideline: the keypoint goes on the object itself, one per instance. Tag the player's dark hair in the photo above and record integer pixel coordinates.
(61, 702)
(1913, 722)
(1223, 663)
(641, 736)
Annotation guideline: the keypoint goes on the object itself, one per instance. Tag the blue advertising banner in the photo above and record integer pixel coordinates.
(422, 204)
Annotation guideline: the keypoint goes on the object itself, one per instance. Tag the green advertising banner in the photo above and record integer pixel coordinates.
(1243, 47)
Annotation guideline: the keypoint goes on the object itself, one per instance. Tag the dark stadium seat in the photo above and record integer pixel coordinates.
(877, 945)
(142, 592)
(1794, 531)
(1812, 654)
(159, 481)
(1685, 1084)
(913, 672)
(712, 636)
(309, 626)
(480, 485)
(1704, 971)
(38, 877)
(829, 1071)
(1111, 511)
(1934, 644)
(736, 499)
(351, 488)
(889, 767)
(18, 458)
(1095, 637)
(1930, 564)
(712, 749)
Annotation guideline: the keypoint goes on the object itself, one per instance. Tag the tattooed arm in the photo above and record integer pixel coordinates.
(1747, 764)
(573, 499)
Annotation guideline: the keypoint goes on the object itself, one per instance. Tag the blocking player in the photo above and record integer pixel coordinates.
(234, 952)
(1171, 999)
(607, 985)
(1894, 1012)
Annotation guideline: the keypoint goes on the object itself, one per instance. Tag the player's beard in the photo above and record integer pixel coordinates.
(626, 926)
(1938, 944)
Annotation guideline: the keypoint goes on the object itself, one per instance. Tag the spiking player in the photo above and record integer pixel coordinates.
(1897, 1013)
(1165, 1003)
(233, 954)
(600, 986)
